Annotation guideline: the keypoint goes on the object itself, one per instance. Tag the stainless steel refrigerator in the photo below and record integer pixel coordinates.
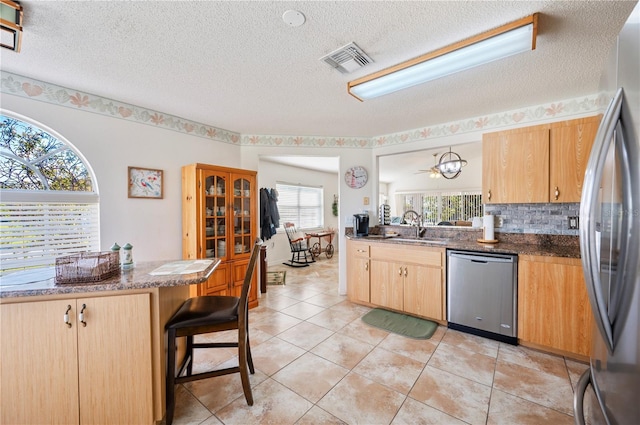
(609, 391)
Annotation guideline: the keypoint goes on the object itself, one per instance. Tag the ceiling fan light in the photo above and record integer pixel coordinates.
(450, 164)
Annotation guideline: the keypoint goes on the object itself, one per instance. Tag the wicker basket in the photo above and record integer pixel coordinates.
(87, 267)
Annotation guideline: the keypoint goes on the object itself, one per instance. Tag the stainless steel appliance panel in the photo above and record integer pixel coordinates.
(610, 248)
(482, 291)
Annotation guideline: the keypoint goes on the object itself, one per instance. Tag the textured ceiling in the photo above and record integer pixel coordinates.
(238, 66)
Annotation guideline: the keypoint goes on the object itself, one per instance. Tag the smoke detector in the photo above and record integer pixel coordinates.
(293, 18)
(347, 59)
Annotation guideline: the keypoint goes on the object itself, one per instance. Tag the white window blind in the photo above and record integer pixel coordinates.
(33, 234)
(300, 205)
(444, 206)
(49, 206)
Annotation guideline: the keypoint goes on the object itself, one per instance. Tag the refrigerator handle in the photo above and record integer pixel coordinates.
(578, 397)
(588, 209)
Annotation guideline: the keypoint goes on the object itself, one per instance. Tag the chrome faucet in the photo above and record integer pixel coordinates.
(415, 220)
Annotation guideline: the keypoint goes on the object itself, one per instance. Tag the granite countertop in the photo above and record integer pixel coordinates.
(466, 239)
(139, 277)
(500, 247)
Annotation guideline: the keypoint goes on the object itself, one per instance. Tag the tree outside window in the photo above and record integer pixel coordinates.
(49, 206)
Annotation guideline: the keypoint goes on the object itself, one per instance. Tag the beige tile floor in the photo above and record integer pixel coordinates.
(317, 362)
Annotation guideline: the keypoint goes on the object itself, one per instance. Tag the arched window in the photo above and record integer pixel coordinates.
(49, 204)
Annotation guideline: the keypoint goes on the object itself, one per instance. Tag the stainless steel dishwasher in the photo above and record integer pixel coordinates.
(482, 293)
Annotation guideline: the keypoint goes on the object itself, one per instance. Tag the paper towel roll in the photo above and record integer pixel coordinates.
(487, 223)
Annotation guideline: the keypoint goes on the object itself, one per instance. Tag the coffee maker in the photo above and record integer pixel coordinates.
(361, 224)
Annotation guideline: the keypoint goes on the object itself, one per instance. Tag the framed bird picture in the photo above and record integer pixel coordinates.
(145, 183)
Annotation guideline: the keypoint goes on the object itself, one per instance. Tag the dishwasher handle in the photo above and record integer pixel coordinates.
(482, 258)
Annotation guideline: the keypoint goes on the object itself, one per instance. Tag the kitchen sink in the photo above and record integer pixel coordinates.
(409, 239)
(421, 240)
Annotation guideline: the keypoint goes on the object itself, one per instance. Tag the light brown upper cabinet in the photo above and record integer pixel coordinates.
(538, 164)
(515, 166)
(570, 147)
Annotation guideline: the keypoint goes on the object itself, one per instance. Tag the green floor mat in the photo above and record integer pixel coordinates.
(401, 324)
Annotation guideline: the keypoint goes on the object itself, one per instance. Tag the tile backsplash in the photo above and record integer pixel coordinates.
(550, 219)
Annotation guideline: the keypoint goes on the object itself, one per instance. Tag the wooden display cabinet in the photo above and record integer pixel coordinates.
(219, 219)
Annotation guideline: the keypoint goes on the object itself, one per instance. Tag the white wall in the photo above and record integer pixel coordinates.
(152, 226)
(110, 145)
(269, 173)
(351, 200)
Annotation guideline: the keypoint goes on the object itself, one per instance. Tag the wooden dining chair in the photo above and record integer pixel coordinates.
(206, 314)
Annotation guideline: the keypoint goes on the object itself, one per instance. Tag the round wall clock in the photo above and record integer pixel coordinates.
(356, 177)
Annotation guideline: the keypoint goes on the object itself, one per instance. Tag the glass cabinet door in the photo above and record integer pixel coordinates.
(215, 215)
(243, 190)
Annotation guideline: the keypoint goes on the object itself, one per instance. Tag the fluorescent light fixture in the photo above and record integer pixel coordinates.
(10, 25)
(507, 40)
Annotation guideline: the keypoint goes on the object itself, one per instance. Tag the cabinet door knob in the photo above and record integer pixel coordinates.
(489, 195)
(405, 272)
(81, 315)
(366, 266)
(557, 193)
(400, 271)
(67, 321)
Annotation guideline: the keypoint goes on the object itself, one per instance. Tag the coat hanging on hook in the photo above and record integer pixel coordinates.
(269, 215)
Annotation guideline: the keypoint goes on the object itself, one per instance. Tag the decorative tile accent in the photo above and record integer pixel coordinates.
(548, 219)
(51, 93)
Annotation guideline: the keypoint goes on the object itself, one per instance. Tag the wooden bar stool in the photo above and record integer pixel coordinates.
(206, 314)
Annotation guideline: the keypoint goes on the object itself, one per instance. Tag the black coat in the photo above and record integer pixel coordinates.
(269, 215)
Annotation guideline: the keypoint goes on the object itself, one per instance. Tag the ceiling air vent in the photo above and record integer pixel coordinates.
(347, 58)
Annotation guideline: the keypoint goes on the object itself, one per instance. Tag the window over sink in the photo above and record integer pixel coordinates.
(437, 207)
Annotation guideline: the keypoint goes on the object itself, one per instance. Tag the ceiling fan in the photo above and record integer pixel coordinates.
(434, 172)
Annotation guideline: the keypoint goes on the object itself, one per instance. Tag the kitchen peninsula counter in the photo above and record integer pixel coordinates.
(138, 277)
(94, 352)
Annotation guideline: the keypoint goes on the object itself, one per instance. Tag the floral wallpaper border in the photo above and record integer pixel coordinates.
(50, 93)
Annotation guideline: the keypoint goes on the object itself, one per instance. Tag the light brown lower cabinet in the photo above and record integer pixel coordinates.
(358, 273)
(54, 372)
(553, 306)
(405, 278)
